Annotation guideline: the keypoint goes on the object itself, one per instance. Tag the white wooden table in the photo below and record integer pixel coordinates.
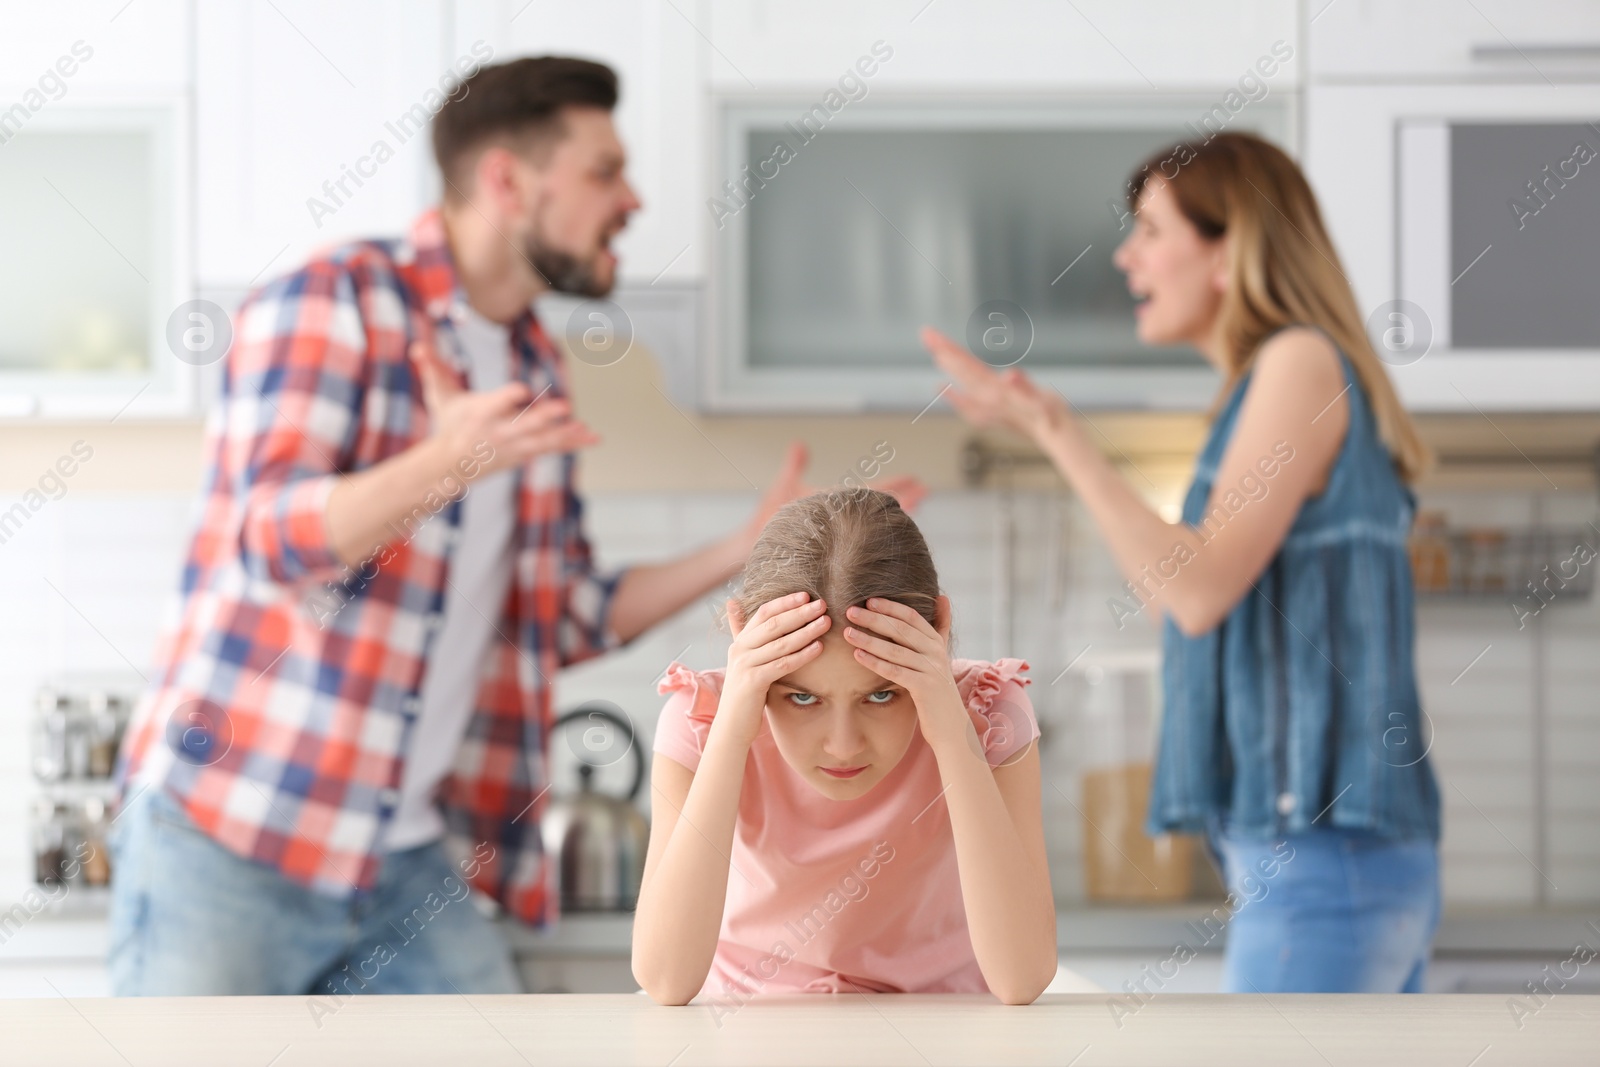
(922, 1031)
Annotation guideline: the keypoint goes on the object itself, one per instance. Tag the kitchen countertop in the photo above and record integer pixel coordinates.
(923, 1031)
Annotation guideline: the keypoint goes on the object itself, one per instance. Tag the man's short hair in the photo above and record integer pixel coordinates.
(519, 105)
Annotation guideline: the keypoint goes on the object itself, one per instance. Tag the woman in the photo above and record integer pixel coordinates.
(1292, 733)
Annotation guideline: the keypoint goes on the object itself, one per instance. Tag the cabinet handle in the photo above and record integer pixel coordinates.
(1496, 53)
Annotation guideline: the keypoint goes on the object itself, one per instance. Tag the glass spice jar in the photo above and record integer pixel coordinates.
(105, 733)
(49, 842)
(95, 858)
(52, 720)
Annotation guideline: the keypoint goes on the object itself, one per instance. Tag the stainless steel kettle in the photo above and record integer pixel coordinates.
(597, 840)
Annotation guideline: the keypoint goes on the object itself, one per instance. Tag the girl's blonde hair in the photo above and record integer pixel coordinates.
(843, 546)
(1283, 270)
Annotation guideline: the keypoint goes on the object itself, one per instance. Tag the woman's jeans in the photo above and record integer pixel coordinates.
(1330, 911)
(188, 917)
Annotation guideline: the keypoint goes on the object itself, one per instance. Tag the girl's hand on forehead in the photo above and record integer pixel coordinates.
(896, 643)
(781, 637)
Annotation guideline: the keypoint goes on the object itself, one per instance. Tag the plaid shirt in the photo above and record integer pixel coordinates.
(287, 684)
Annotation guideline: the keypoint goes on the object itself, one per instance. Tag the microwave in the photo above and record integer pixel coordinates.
(1499, 236)
(1469, 217)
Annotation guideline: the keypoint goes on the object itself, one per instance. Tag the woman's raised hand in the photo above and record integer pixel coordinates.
(986, 397)
(897, 644)
(782, 636)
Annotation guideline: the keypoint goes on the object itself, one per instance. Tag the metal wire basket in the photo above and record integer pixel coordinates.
(1494, 562)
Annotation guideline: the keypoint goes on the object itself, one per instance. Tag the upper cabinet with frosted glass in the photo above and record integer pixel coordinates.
(994, 220)
(189, 156)
(93, 265)
(962, 166)
(94, 202)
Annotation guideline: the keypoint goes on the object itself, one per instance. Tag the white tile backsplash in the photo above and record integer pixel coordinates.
(114, 559)
(87, 579)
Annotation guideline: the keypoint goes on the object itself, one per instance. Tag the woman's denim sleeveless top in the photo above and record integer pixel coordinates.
(1300, 709)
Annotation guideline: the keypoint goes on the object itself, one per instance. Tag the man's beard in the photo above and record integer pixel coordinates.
(564, 272)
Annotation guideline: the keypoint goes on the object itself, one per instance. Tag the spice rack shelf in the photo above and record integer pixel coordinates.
(78, 728)
(1540, 566)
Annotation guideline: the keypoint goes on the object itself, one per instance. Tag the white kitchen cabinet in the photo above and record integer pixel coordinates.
(677, 58)
(1163, 45)
(1349, 159)
(881, 69)
(311, 127)
(265, 172)
(94, 135)
(1430, 40)
(141, 46)
(96, 227)
(661, 59)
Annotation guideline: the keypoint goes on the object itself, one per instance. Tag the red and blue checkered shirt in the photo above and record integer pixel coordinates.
(287, 684)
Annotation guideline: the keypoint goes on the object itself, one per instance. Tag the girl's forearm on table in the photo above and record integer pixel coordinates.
(679, 916)
(1011, 914)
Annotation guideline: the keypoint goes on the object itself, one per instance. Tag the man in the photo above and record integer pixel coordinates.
(388, 569)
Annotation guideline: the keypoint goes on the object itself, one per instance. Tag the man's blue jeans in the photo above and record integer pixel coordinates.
(188, 917)
(1348, 912)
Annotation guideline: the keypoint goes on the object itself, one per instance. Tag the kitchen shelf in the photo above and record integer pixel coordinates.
(1493, 563)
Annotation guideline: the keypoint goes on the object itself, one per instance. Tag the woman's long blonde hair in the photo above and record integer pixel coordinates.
(1283, 270)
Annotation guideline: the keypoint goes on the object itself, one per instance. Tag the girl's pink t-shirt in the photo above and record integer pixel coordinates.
(863, 895)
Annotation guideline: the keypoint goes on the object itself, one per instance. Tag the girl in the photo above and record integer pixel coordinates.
(1291, 723)
(844, 808)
